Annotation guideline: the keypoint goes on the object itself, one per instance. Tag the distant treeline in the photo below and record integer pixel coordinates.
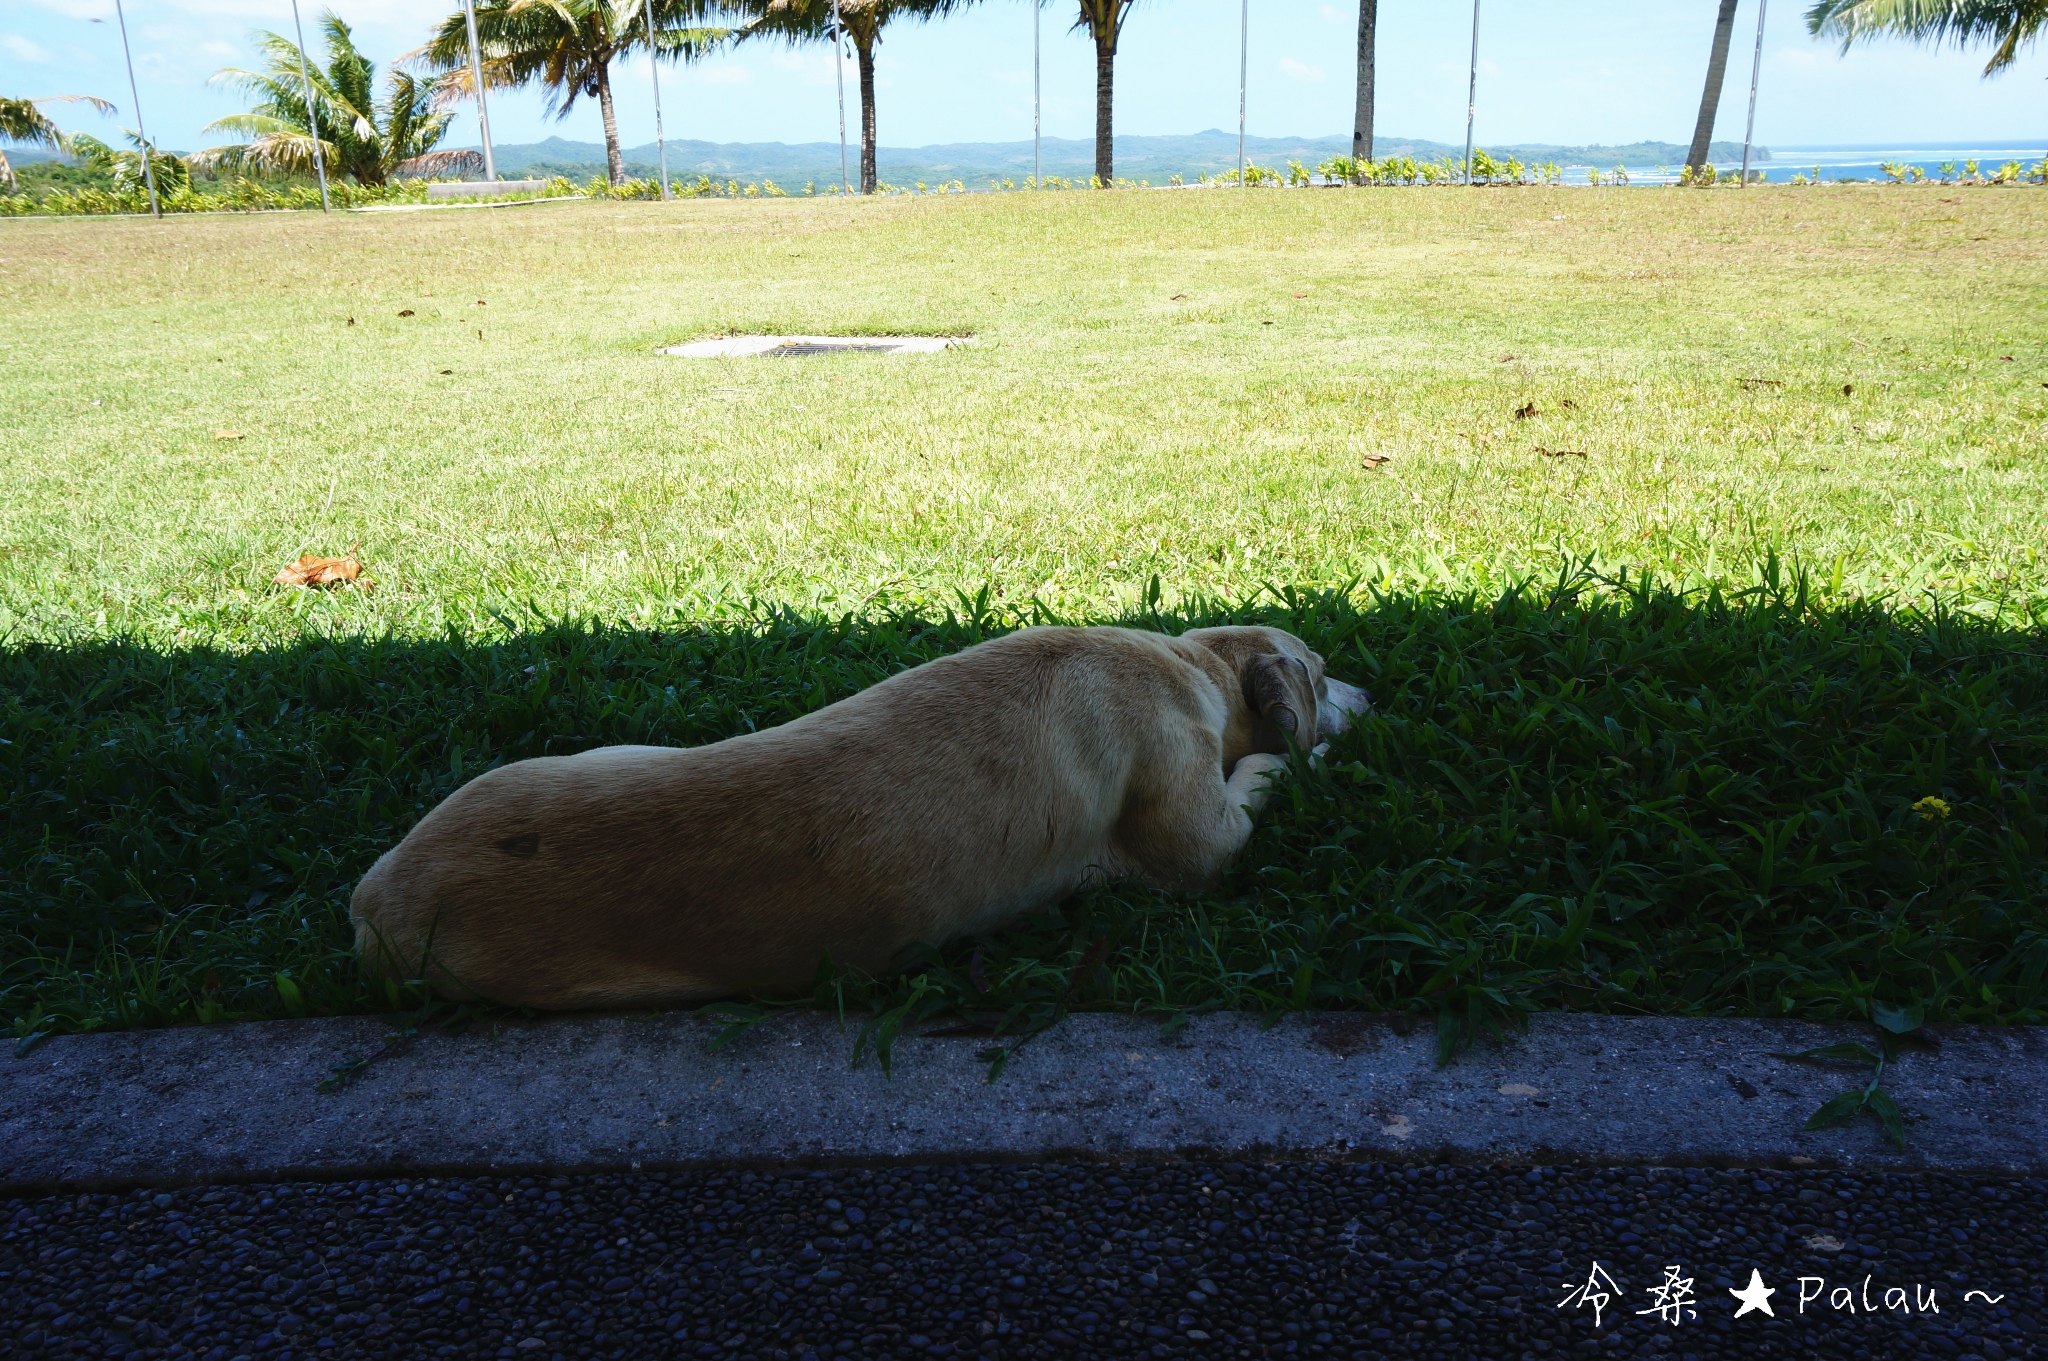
(793, 165)
(1153, 158)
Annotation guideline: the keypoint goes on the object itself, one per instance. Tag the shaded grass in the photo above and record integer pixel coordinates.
(1604, 794)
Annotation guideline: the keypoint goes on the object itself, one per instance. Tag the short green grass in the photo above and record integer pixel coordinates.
(1578, 790)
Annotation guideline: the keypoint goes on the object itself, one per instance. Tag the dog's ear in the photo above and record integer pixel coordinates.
(1274, 684)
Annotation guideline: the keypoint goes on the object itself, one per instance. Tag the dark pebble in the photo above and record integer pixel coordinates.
(1059, 1260)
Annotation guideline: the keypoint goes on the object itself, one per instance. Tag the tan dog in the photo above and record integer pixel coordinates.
(949, 799)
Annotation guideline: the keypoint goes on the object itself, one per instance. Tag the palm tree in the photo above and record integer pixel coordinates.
(173, 173)
(862, 22)
(22, 121)
(1104, 20)
(1361, 121)
(569, 47)
(363, 137)
(2006, 24)
(1710, 99)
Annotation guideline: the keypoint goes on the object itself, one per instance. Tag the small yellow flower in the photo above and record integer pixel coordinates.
(1933, 809)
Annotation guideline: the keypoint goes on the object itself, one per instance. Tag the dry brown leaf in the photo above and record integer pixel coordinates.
(1177, 297)
(312, 570)
(1754, 383)
(1848, 389)
(446, 372)
(1560, 453)
(1371, 461)
(1526, 410)
(351, 321)
(406, 313)
(1503, 359)
(479, 302)
(227, 434)
(1301, 295)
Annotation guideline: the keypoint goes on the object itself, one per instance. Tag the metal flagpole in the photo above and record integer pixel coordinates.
(1472, 92)
(1037, 164)
(312, 117)
(476, 74)
(1244, 47)
(148, 175)
(1755, 69)
(839, 72)
(660, 142)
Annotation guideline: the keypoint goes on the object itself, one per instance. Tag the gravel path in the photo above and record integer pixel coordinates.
(1159, 1260)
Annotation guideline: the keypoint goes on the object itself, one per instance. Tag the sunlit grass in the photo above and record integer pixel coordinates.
(1097, 432)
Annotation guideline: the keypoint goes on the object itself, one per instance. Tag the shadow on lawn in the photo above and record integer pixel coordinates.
(1602, 795)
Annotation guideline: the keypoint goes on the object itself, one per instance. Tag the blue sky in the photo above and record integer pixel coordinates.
(1568, 71)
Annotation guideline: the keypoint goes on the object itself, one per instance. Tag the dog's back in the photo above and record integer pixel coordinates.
(947, 799)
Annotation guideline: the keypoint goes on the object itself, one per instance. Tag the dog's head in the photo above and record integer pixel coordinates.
(1287, 695)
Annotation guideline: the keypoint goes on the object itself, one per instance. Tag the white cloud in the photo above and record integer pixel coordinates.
(1300, 71)
(21, 49)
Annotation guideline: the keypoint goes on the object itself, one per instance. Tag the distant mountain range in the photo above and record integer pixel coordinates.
(1140, 158)
(1153, 158)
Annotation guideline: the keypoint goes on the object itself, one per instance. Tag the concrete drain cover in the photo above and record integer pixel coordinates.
(792, 347)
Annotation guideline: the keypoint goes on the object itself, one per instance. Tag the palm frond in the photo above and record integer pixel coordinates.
(2006, 24)
(434, 164)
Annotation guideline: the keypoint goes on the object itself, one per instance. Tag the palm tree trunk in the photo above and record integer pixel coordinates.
(1710, 99)
(7, 172)
(614, 159)
(864, 53)
(1105, 83)
(1361, 119)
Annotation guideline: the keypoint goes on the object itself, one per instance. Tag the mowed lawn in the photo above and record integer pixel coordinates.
(1181, 384)
(1818, 418)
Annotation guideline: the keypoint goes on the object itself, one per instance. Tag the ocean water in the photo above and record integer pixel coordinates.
(1831, 163)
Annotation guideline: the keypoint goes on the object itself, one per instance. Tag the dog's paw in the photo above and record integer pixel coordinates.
(1318, 752)
(1257, 764)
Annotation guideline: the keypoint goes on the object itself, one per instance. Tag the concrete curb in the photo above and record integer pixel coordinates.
(239, 1103)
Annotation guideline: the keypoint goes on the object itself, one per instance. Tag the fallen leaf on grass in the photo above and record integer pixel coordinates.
(1848, 389)
(1526, 410)
(479, 302)
(447, 372)
(227, 434)
(311, 570)
(1371, 461)
(1560, 453)
(2005, 359)
(1301, 295)
(1177, 297)
(406, 313)
(1569, 405)
(1754, 383)
(351, 321)
(1503, 359)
